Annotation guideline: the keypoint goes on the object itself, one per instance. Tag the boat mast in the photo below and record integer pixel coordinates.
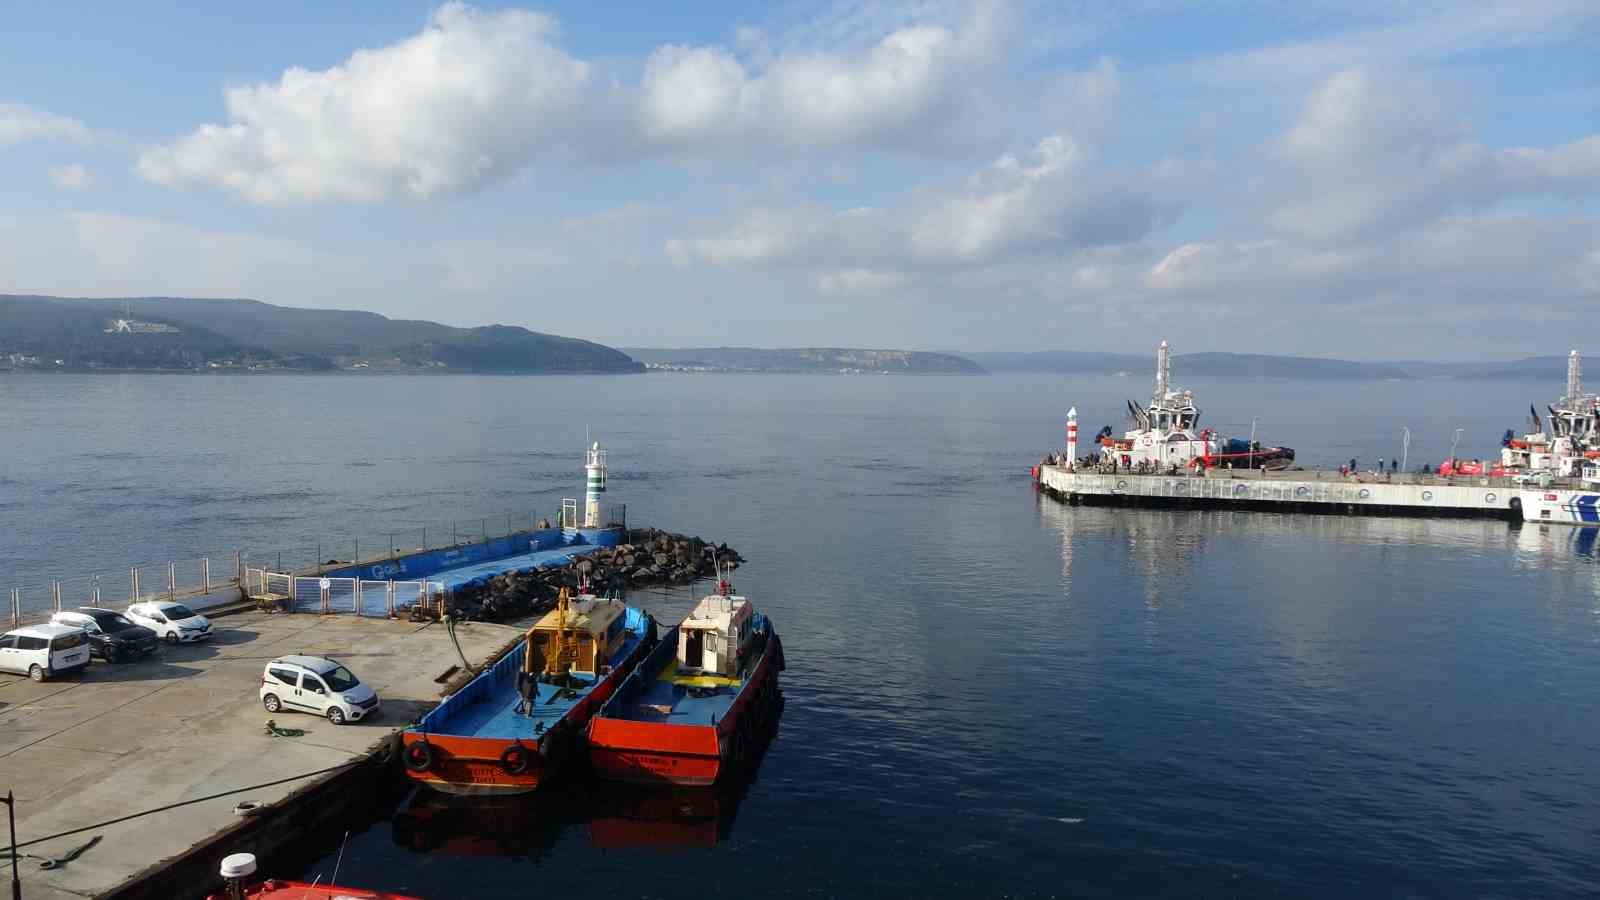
(1574, 379)
(1163, 370)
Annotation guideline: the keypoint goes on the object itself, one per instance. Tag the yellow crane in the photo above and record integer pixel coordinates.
(563, 650)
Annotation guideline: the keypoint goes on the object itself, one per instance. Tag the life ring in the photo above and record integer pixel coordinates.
(1489, 497)
(515, 759)
(1364, 493)
(1427, 495)
(418, 756)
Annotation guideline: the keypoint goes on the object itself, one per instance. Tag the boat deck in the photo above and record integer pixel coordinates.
(666, 699)
(487, 706)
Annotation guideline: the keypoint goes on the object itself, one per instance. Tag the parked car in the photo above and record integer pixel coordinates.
(316, 684)
(112, 636)
(173, 622)
(44, 651)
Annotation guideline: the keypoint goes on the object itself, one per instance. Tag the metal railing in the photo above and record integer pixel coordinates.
(342, 596)
(208, 572)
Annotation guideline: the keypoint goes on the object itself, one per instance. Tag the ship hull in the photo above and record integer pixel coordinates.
(659, 753)
(1560, 507)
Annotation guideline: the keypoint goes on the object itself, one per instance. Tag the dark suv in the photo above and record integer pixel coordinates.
(112, 635)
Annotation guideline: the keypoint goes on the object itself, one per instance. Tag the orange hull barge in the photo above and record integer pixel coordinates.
(518, 722)
(696, 706)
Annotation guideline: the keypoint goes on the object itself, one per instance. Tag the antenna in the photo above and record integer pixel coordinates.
(340, 860)
(1574, 377)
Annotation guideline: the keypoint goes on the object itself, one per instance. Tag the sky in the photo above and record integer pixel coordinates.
(1358, 179)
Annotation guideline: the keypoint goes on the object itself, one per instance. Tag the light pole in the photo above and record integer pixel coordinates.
(1405, 448)
(1453, 442)
(11, 814)
(1250, 459)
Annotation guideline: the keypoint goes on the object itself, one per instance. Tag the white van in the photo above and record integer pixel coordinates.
(172, 622)
(44, 651)
(316, 684)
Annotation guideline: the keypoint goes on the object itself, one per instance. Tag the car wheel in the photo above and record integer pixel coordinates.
(172, 638)
(113, 655)
(335, 715)
(36, 672)
(272, 703)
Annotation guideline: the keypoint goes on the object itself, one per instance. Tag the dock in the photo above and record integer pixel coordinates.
(1311, 491)
(188, 724)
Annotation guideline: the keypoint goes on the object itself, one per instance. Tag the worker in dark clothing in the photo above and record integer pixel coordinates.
(528, 687)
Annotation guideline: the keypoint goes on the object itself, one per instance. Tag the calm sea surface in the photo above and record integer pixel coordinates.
(988, 694)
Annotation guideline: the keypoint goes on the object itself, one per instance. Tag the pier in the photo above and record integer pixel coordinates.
(186, 725)
(1290, 491)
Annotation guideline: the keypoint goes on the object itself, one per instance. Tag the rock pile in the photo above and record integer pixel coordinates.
(650, 557)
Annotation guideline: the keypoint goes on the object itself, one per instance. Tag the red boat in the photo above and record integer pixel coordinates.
(239, 866)
(515, 725)
(696, 706)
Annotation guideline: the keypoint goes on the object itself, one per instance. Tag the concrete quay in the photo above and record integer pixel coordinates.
(187, 723)
(1291, 491)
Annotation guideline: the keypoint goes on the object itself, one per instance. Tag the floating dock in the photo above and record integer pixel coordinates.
(1290, 491)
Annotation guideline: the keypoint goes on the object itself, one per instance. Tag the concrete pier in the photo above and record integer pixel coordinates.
(1291, 491)
(187, 723)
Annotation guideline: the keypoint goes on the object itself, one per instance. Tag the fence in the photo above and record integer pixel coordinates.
(218, 571)
(334, 596)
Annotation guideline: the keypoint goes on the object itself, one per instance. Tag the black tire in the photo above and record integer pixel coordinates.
(335, 715)
(515, 759)
(112, 655)
(36, 672)
(171, 638)
(272, 703)
(418, 756)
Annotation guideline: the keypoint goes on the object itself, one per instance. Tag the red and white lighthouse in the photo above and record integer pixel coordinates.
(1072, 438)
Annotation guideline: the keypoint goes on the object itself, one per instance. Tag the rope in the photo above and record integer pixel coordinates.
(150, 812)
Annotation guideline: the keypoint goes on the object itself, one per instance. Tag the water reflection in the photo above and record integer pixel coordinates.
(611, 816)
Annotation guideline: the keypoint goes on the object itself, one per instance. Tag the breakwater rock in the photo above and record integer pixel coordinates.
(650, 557)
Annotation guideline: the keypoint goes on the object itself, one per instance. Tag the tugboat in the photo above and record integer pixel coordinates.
(1573, 438)
(518, 722)
(238, 867)
(695, 707)
(1166, 435)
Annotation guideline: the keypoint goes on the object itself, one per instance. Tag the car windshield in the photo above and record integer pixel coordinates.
(340, 679)
(114, 622)
(179, 612)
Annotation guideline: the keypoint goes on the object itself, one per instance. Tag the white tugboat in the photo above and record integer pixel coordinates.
(1167, 436)
(1570, 450)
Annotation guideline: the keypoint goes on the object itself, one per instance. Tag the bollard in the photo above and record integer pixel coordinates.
(205, 572)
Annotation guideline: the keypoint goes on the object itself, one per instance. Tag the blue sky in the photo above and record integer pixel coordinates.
(1357, 179)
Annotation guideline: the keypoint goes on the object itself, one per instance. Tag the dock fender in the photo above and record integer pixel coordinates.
(419, 756)
(515, 759)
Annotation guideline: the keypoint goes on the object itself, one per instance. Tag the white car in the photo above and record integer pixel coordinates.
(172, 622)
(316, 684)
(44, 651)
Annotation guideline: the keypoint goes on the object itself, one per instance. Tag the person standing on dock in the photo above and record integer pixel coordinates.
(1353, 469)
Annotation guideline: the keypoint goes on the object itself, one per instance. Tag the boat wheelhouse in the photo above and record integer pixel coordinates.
(698, 704)
(515, 724)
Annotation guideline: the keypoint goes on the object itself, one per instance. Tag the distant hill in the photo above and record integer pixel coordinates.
(806, 359)
(187, 333)
(1260, 365)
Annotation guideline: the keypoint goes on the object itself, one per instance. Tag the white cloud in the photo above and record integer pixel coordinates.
(1372, 152)
(71, 177)
(479, 95)
(860, 281)
(472, 98)
(1049, 201)
(20, 123)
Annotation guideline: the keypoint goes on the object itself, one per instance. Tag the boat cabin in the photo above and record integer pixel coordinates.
(713, 640)
(580, 635)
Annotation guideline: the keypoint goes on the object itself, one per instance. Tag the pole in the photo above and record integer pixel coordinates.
(172, 580)
(1405, 448)
(205, 572)
(1251, 463)
(16, 608)
(391, 545)
(97, 590)
(55, 591)
(1456, 439)
(11, 814)
(134, 580)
